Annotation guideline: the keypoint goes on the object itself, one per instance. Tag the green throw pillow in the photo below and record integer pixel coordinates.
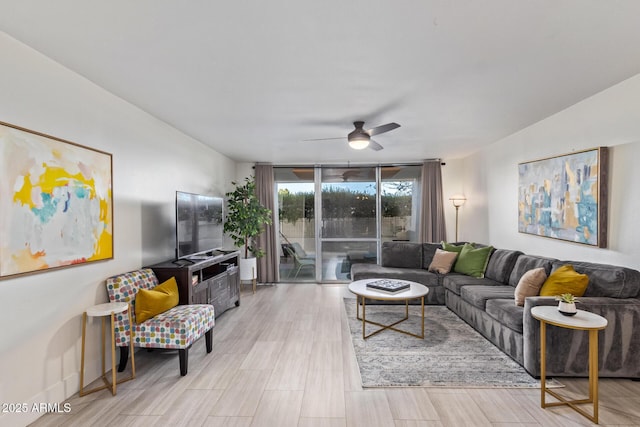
(473, 261)
(451, 248)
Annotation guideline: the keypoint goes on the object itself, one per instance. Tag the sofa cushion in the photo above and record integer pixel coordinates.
(177, 328)
(500, 264)
(428, 251)
(402, 254)
(473, 261)
(607, 280)
(506, 312)
(442, 261)
(454, 282)
(525, 263)
(564, 280)
(478, 295)
(529, 285)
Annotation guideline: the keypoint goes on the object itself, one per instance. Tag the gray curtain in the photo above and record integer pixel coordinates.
(432, 225)
(268, 264)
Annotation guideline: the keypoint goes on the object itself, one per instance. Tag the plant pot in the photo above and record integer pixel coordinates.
(248, 269)
(567, 309)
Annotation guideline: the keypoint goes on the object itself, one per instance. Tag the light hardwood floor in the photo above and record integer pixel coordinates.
(284, 358)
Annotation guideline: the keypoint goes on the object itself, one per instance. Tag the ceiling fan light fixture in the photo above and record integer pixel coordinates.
(359, 142)
(359, 138)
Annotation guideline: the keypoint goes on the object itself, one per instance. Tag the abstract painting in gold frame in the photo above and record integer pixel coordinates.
(56, 206)
(565, 197)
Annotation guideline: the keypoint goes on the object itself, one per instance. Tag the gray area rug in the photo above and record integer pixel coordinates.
(452, 354)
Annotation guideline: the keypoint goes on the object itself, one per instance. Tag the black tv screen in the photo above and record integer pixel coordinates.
(199, 224)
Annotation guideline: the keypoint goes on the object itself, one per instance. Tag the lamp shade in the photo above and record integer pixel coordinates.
(458, 200)
(359, 142)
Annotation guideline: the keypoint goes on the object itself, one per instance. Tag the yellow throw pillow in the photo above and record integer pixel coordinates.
(151, 302)
(565, 280)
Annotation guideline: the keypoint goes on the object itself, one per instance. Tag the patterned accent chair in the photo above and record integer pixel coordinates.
(177, 328)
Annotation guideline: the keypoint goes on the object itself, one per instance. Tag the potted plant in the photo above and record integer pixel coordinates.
(567, 304)
(245, 220)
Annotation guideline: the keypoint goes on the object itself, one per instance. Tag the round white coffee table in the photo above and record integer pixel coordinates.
(360, 289)
(584, 321)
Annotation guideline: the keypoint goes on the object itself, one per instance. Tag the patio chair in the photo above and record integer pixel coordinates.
(299, 263)
(302, 254)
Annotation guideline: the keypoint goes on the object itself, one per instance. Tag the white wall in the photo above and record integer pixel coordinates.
(41, 314)
(610, 118)
(244, 170)
(453, 182)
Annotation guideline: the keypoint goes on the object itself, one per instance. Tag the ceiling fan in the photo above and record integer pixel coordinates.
(360, 138)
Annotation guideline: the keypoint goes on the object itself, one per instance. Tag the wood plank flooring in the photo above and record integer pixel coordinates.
(284, 358)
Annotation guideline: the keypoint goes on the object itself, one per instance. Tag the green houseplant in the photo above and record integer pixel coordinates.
(567, 304)
(245, 220)
(568, 298)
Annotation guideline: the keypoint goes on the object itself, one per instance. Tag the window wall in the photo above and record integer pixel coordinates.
(357, 209)
(400, 199)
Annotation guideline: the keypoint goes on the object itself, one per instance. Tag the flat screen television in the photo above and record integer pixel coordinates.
(199, 224)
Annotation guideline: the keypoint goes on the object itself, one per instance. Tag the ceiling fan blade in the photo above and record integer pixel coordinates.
(382, 129)
(324, 139)
(374, 145)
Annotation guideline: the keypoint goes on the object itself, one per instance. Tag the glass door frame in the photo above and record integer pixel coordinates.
(320, 239)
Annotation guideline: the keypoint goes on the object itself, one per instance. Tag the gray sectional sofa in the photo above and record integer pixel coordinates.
(487, 304)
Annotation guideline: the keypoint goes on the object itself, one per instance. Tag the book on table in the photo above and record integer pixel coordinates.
(390, 286)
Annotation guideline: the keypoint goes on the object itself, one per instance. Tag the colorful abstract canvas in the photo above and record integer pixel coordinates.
(56, 206)
(565, 197)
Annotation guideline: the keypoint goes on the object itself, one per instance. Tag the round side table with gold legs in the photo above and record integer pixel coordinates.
(105, 310)
(583, 321)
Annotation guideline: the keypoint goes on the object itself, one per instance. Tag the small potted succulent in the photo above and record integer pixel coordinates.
(567, 304)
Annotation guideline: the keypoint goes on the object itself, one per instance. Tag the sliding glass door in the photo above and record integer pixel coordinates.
(333, 217)
(349, 220)
(296, 225)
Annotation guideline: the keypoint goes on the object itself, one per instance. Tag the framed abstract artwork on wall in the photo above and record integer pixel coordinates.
(565, 197)
(56, 207)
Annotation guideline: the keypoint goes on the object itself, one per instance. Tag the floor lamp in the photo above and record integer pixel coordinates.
(458, 200)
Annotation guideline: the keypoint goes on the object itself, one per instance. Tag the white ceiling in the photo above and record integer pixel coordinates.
(254, 79)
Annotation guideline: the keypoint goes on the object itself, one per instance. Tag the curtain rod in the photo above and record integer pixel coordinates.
(352, 165)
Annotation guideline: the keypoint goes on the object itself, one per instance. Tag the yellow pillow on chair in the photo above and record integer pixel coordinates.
(151, 302)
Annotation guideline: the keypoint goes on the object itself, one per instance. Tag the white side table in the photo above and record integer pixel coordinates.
(105, 310)
(585, 321)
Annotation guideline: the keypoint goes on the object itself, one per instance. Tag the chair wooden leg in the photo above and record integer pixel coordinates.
(208, 337)
(183, 354)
